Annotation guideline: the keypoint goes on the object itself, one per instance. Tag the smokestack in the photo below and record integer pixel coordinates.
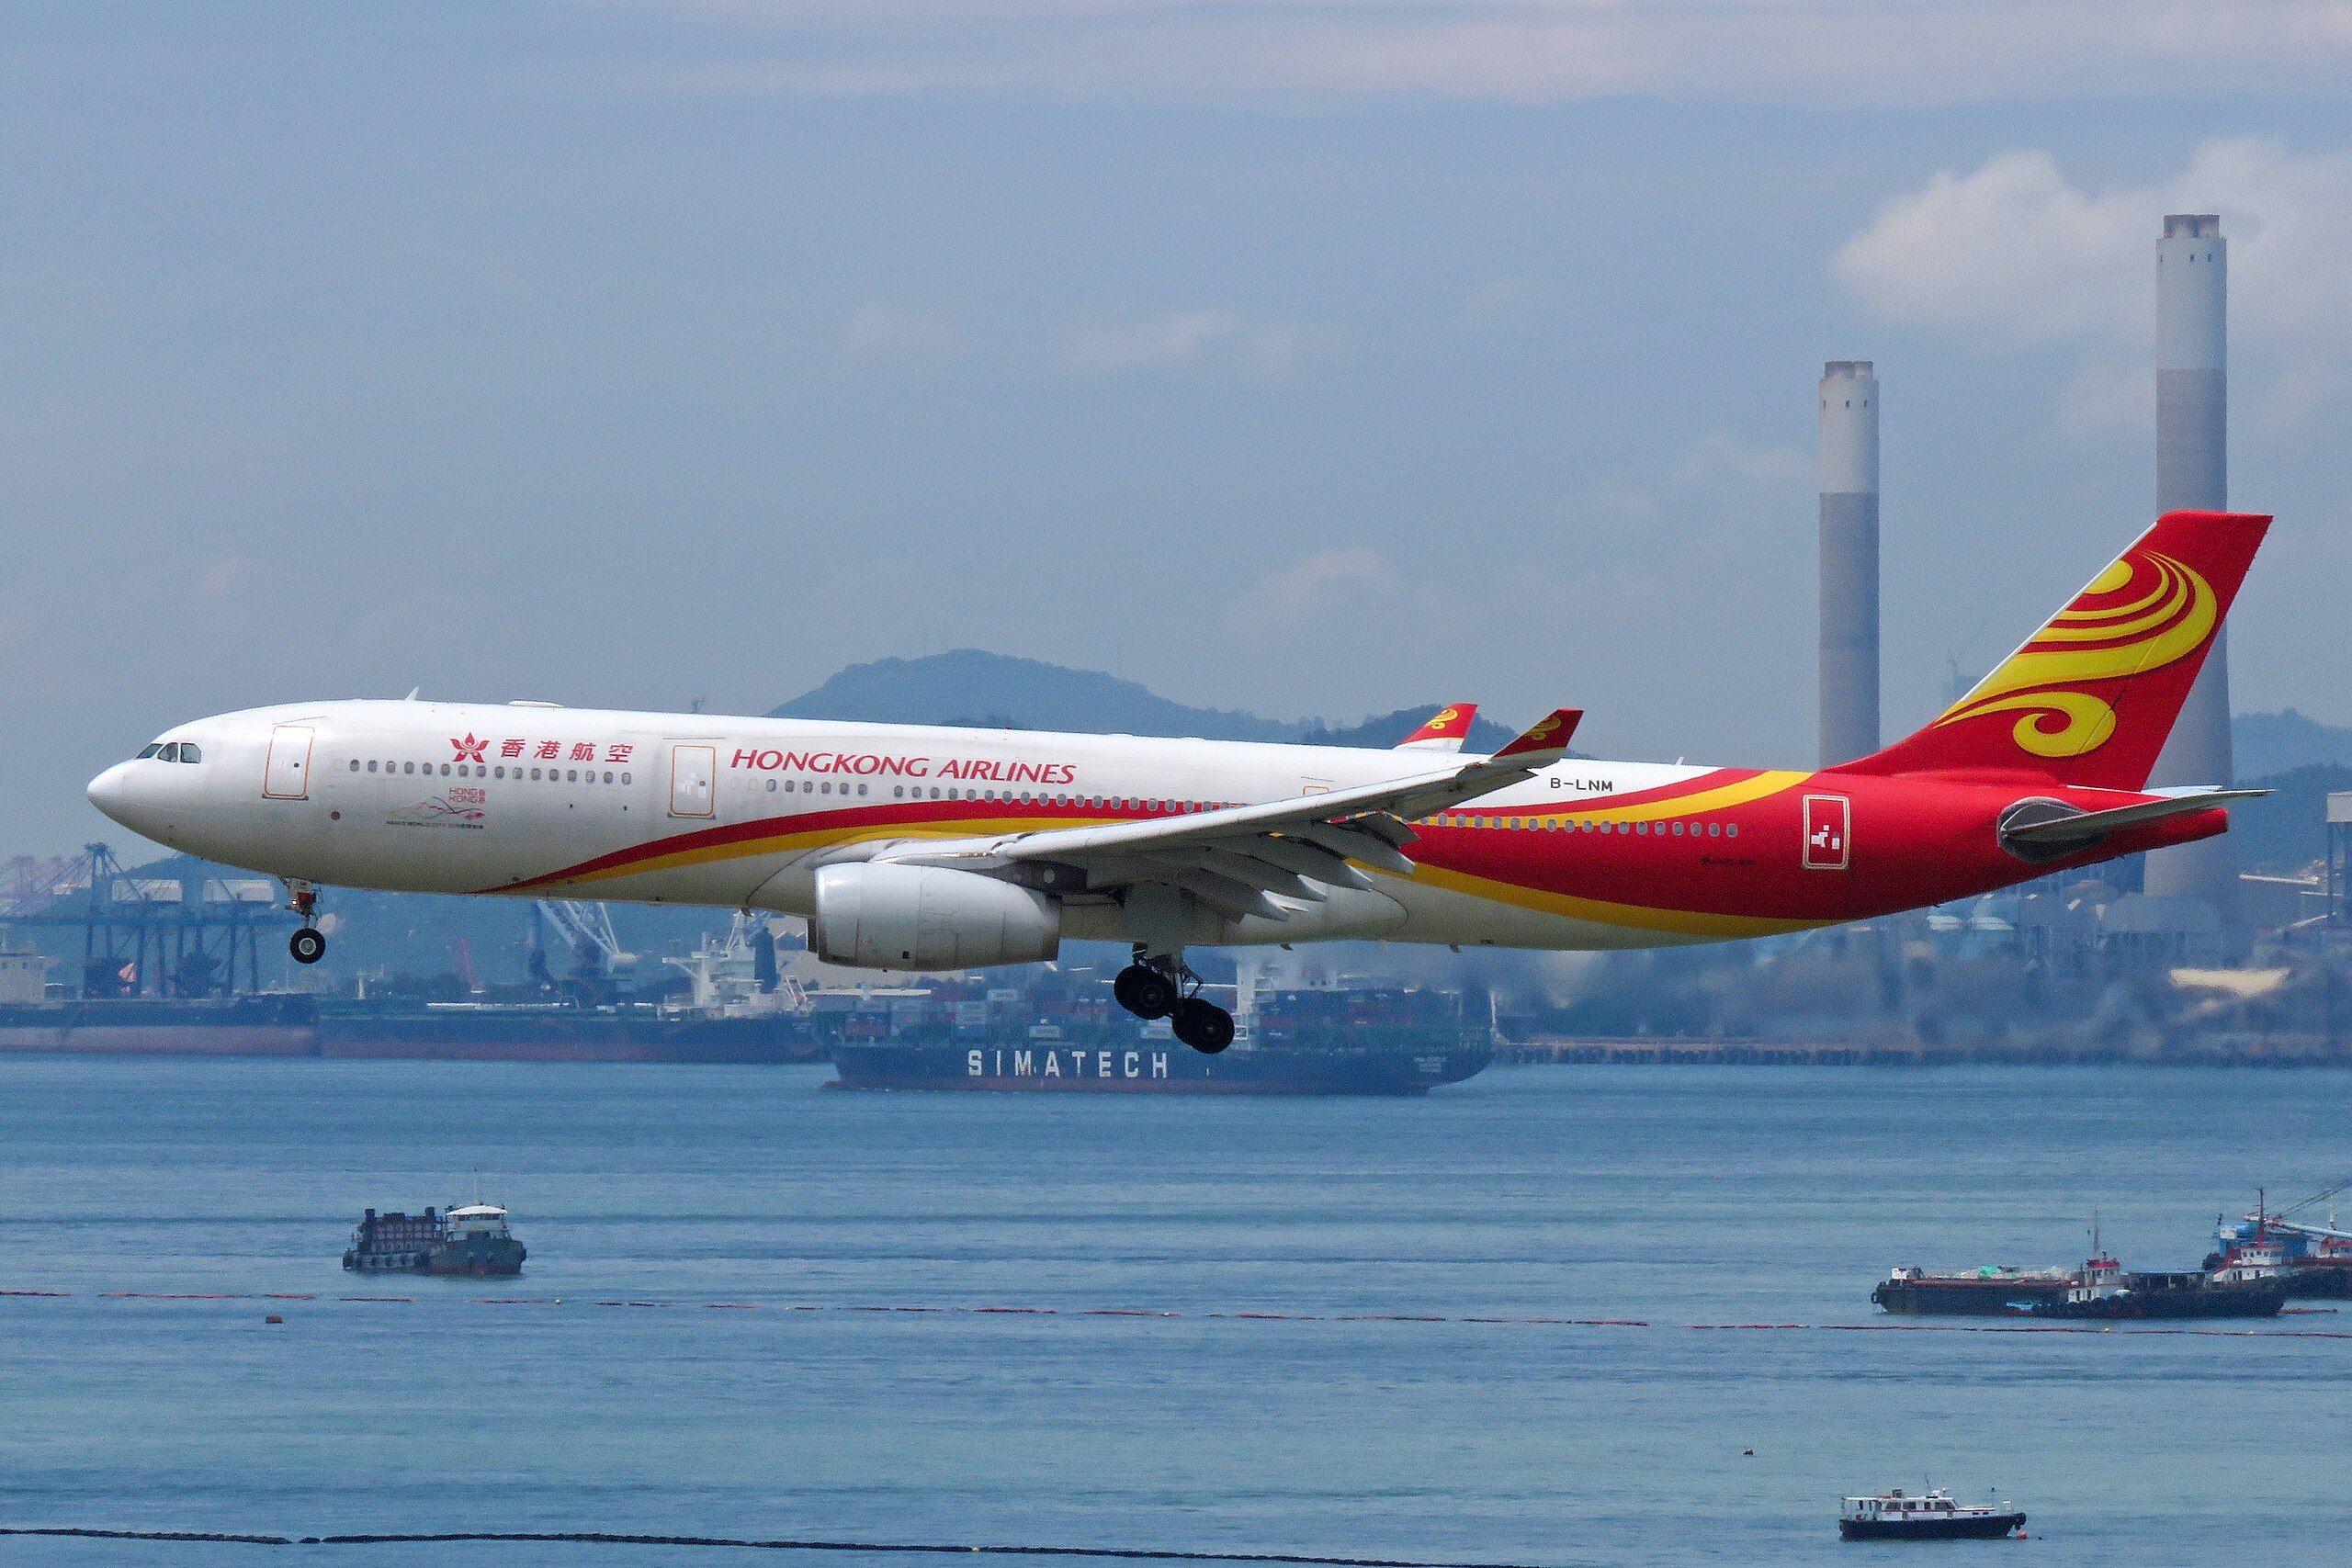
(1848, 560)
(2192, 474)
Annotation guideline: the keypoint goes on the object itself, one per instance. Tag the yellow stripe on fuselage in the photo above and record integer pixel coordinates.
(1723, 797)
(785, 841)
(1601, 912)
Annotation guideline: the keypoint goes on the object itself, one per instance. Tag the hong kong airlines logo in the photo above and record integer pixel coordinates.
(469, 749)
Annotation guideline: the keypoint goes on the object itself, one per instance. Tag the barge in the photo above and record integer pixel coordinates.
(467, 1238)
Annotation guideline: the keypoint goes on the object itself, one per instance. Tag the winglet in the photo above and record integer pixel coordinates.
(1547, 736)
(1445, 731)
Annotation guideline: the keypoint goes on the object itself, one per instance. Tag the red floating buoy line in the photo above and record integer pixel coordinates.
(971, 1310)
(778, 1544)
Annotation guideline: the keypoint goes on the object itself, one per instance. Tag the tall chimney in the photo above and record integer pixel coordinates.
(1848, 560)
(2192, 475)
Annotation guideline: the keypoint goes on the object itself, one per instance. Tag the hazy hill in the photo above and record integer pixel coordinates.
(995, 689)
(2286, 829)
(2275, 742)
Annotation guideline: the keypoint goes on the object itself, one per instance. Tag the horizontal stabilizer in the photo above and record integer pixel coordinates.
(1547, 741)
(1445, 731)
(2082, 827)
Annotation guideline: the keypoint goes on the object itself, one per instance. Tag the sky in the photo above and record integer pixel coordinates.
(1314, 358)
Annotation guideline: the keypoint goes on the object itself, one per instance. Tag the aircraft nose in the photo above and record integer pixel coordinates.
(111, 792)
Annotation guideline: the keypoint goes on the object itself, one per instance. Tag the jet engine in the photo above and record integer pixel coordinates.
(926, 917)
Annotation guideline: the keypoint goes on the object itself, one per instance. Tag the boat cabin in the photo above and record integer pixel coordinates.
(1906, 1507)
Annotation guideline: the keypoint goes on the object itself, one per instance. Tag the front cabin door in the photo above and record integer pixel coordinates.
(287, 774)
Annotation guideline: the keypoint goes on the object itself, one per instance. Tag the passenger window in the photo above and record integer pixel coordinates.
(571, 776)
(860, 789)
(1678, 829)
(445, 769)
(535, 773)
(408, 767)
(354, 764)
(1731, 829)
(624, 778)
(608, 778)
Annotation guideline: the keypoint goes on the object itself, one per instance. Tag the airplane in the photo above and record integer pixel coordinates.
(917, 848)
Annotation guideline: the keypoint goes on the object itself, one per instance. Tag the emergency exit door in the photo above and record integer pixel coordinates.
(1828, 831)
(694, 771)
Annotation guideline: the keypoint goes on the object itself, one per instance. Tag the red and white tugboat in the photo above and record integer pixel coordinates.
(1925, 1516)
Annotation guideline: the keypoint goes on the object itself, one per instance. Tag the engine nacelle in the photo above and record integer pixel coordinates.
(927, 916)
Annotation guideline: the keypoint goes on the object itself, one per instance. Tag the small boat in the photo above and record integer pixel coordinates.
(1925, 1516)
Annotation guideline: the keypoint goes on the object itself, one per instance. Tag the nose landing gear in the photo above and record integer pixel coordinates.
(1160, 986)
(309, 944)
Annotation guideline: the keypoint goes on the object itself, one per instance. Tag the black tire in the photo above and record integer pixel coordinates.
(1144, 991)
(308, 945)
(1205, 1026)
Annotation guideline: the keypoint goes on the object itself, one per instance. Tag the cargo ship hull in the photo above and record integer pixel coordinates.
(144, 1026)
(1152, 1066)
(562, 1034)
(1968, 1296)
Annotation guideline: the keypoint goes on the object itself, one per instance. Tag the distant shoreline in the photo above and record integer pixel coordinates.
(2283, 1051)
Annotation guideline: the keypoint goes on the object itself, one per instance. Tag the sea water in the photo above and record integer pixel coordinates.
(751, 1217)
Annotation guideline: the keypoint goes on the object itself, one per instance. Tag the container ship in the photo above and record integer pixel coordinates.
(1357, 1040)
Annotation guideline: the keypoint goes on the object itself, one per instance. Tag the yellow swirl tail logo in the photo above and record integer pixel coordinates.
(2170, 612)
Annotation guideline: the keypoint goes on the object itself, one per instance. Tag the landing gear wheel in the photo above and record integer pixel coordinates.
(1205, 1026)
(308, 945)
(1144, 991)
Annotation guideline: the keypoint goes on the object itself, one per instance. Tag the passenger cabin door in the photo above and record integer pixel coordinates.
(287, 774)
(694, 771)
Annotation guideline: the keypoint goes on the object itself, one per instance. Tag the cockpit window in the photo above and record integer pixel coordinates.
(148, 751)
(190, 752)
(170, 753)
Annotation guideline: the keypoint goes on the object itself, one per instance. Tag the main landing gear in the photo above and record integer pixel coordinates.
(1160, 986)
(309, 944)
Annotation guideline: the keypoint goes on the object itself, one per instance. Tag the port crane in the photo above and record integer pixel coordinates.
(586, 930)
(2282, 1220)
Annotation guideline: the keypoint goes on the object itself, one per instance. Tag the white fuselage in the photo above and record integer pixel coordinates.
(535, 801)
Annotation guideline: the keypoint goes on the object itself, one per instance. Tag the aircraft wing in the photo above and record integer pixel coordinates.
(1232, 858)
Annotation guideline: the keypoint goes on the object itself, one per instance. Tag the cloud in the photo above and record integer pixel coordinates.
(1804, 52)
(1184, 338)
(1714, 471)
(884, 332)
(222, 575)
(2015, 252)
(2015, 256)
(1318, 586)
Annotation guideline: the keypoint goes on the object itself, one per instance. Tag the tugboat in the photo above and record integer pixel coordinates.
(2254, 1284)
(2251, 1283)
(471, 1238)
(1931, 1516)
